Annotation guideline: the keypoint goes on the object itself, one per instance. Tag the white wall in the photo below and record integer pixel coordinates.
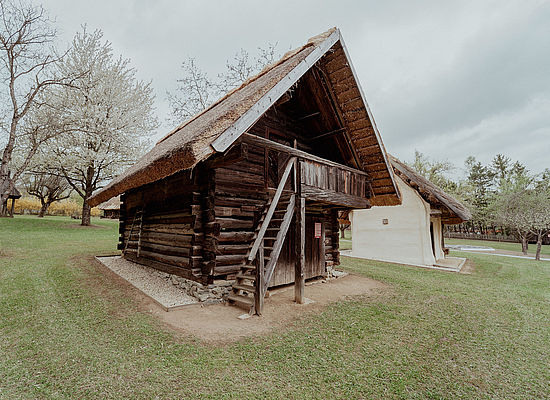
(406, 237)
(438, 232)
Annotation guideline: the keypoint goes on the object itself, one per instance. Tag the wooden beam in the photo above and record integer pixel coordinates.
(308, 116)
(331, 197)
(338, 112)
(253, 139)
(326, 134)
(247, 119)
(237, 153)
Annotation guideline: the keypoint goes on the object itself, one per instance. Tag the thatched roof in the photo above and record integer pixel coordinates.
(453, 212)
(220, 125)
(111, 204)
(4, 189)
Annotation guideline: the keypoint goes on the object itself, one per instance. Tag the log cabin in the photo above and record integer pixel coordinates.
(412, 232)
(250, 188)
(110, 208)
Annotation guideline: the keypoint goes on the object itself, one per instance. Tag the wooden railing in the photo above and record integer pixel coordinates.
(271, 209)
(323, 180)
(265, 273)
(334, 178)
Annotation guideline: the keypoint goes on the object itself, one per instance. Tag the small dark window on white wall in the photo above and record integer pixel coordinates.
(385, 221)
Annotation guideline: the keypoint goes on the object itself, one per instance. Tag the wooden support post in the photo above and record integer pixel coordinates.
(300, 230)
(299, 276)
(259, 284)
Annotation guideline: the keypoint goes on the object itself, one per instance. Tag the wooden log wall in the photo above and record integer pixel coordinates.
(332, 239)
(200, 224)
(172, 236)
(240, 198)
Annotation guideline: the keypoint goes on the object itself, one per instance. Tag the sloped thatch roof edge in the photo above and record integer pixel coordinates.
(429, 191)
(111, 204)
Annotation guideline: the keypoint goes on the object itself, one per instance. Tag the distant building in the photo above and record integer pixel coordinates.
(110, 208)
(410, 233)
(13, 194)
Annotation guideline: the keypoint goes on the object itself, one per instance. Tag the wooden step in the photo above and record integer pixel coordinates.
(247, 288)
(241, 301)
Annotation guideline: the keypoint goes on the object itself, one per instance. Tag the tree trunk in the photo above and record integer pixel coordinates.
(43, 209)
(342, 232)
(539, 246)
(524, 245)
(86, 213)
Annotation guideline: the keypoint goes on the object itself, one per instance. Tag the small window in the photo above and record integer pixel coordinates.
(385, 221)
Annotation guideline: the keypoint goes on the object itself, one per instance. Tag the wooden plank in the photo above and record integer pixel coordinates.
(247, 119)
(259, 292)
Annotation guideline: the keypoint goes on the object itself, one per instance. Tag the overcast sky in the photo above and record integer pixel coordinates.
(448, 78)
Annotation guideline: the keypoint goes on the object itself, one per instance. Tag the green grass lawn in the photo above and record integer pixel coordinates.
(499, 245)
(68, 331)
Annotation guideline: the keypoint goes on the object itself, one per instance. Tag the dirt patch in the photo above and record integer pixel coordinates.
(220, 323)
(6, 253)
(468, 267)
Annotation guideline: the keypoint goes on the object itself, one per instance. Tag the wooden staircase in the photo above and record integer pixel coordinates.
(253, 280)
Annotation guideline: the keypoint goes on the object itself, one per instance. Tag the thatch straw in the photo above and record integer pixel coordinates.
(457, 212)
(111, 204)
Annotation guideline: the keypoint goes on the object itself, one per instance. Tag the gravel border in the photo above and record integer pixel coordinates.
(149, 281)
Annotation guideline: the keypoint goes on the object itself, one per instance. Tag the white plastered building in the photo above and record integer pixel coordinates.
(412, 232)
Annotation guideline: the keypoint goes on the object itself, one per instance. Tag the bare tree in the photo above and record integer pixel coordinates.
(196, 90)
(26, 61)
(47, 188)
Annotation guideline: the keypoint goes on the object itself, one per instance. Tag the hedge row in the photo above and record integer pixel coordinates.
(69, 207)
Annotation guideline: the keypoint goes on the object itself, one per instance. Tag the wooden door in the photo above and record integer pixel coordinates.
(315, 254)
(315, 247)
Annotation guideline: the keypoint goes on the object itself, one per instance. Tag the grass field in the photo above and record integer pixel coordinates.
(68, 331)
(500, 245)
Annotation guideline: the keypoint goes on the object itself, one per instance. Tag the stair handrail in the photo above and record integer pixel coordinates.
(271, 210)
(270, 267)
